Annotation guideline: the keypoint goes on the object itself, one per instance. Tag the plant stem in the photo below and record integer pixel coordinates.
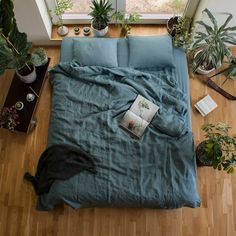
(9, 42)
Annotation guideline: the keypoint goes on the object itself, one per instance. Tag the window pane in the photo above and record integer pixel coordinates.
(80, 6)
(156, 6)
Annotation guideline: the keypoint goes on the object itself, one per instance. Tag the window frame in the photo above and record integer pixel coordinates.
(76, 18)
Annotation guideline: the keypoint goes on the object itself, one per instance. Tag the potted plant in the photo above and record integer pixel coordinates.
(210, 47)
(219, 148)
(14, 47)
(61, 7)
(100, 17)
(232, 69)
(125, 21)
(8, 118)
(39, 57)
(179, 27)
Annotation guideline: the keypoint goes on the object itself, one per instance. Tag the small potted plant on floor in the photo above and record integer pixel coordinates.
(232, 69)
(100, 14)
(61, 7)
(179, 27)
(14, 47)
(8, 118)
(124, 21)
(219, 148)
(211, 44)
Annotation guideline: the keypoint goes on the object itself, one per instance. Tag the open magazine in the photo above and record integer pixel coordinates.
(138, 117)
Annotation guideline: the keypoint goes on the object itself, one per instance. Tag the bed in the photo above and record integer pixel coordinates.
(158, 170)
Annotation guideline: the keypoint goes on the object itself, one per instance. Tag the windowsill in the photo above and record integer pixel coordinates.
(114, 30)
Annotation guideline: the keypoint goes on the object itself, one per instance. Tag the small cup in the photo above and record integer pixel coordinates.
(76, 30)
(19, 105)
(30, 97)
(86, 31)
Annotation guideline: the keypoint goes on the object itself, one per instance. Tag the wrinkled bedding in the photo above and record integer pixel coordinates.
(155, 171)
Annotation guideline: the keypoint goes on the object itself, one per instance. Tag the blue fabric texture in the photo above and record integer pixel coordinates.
(150, 51)
(96, 51)
(156, 171)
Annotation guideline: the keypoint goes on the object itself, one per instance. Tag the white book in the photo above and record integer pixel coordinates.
(138, 117)
(206, 105)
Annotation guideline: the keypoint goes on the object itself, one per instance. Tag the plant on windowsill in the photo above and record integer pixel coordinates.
(14, 47)
(219, 149)
(8, 118)
(124, 21)
(210, 47)
(61, 7)
(100, 14)
(179, 27)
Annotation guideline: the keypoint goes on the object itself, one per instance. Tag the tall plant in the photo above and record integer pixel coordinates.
(212, 41)
(125, 21)
(14, 47)
(61, 7)
(100, 13)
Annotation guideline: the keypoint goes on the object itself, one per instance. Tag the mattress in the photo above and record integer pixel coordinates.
(88, 102)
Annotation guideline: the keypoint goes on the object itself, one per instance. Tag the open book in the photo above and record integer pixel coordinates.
(138, 117)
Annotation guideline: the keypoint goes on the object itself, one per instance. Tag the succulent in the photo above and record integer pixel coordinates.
(39, 57)
(100, 13)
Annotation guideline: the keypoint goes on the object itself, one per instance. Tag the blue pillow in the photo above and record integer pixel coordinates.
(150, 51)
(95, 51)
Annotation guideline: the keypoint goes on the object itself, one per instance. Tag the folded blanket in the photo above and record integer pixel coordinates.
(59, 162)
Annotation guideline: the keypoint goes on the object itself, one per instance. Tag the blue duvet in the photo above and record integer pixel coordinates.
(155, 171)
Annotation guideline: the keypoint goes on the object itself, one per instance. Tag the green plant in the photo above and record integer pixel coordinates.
(220, 147)
(232, 68)
(212, 41)
(125, 21)
(14, 47)
(61, 7)
(183, 34)
(39, 56)
(100, 13)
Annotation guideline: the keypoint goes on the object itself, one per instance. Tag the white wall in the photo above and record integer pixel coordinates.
(33, 19)
(217, 7)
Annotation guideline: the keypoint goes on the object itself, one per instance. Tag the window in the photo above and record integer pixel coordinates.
(152, 11)
(156, 7)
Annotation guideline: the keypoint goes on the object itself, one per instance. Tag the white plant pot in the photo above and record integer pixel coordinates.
(62, 30)
(200, 70)
(99, 33)
(30, 78)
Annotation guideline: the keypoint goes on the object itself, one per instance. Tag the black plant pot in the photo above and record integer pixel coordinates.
(201, 161)
(170, 25)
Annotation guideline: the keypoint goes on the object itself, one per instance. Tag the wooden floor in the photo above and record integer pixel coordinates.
(20, 152)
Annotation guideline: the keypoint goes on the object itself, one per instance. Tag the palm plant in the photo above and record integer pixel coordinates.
(100, 13)
(211, 44)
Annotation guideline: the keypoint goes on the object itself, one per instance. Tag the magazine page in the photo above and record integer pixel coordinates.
(134, 123)
(144, 108)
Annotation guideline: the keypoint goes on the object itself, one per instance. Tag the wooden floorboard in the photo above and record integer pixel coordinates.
(20, 153)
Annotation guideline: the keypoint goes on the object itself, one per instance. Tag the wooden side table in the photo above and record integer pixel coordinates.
(18, 91)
